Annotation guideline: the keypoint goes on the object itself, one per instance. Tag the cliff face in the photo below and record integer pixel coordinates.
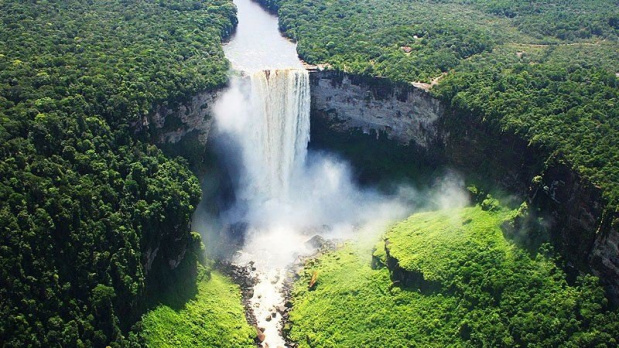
(404, 113)
(180, 130)
(572, 208)
(605, 259)
(407, 278)
(170, 125)
(582, 225)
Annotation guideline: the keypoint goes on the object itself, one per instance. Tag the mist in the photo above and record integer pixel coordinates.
(315, 193)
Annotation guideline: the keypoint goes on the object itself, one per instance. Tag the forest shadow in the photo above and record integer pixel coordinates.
(377, 160)
(175, 288)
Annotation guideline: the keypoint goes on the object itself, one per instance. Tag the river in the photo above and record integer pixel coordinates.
(283, 195)
(257, 43)
(266, 114)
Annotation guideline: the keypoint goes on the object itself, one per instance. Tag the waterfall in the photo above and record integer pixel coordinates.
(264, 117)
(276, 131)
(280, 201)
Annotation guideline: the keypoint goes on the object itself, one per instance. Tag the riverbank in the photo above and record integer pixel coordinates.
(214, 318)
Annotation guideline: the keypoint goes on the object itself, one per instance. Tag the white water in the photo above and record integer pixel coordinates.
(278, 131)
(267, 113)
(283, 194)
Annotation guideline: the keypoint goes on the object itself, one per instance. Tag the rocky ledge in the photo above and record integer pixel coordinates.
(404, 113)
(171, 123)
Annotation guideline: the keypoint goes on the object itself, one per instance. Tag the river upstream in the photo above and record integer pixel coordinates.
(257, 43)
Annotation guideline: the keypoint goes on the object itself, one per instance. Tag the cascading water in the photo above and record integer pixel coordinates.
(265, 113)
(273, 141)
(278, 131)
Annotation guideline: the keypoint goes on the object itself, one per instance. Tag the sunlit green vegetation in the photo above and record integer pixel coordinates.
(563, 99)
(83, 199)
(369, 36)
(487, 291)
(545, 70)
(214, 318)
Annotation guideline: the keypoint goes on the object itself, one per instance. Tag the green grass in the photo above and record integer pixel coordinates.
(353, 306)
(491, 293)
(214, 318)
(437, 243)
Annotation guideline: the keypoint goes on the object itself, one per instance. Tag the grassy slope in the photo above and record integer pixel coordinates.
(491, 293)
(456, 235)
(215, 318)
(352, 306)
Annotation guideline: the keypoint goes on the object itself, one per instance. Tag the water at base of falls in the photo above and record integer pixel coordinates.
(272, 274)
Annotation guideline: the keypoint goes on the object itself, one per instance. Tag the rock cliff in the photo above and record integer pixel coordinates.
(404, 113)
(170, 124)
(182, 129)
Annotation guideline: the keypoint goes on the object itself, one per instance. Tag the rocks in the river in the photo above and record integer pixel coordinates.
(271, 316)
(317, 242)
(244, 278)
(247, 277)
(260, 336)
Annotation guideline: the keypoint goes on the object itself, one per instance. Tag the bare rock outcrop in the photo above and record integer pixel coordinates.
(169, 124)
